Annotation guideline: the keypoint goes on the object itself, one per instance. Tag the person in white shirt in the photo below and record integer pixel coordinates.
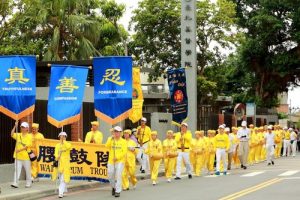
(243, 135)
(293, 138)
(270, 145)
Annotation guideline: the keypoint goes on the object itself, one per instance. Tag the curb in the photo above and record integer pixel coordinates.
(37, 194)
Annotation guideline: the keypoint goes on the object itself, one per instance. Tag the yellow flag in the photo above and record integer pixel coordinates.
(136, 112)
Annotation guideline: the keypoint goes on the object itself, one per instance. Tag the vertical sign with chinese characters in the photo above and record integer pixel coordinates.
(189, 57)
(112, 88)
(178, 96)
(67, 85)
(17, 85)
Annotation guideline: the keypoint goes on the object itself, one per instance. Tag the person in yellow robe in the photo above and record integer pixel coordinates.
(117, 147)
(260, 143)
(278, 140)
(170, 154)
(143, 138)
(130, 165)
(198, 147)
(211, 151)
(94, 136)
(62, 168)
(22, 148)
(253, 144)
(36, 135)
(155, 153)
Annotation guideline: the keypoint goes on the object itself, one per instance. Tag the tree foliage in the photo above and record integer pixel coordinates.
(62, 29)
(157, 40)
(270, 52)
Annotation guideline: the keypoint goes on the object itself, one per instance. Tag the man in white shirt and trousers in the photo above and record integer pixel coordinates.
(293, 141)
(270, 145)
(243, 135)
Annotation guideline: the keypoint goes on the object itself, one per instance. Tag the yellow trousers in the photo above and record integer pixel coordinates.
(128, 172)
(210, 162)
(263, 153)
(278, 150)
(34, 169)
(169, 166)
(154, 165)
(251, 156)
(236, 160)
(198, 164)
(258, 153)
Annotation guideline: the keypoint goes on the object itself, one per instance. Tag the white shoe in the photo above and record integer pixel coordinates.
(153, 183)
(60, 196)
(27, 185)
(169, 180)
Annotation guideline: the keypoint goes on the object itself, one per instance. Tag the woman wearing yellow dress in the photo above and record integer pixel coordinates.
(62, 164)
(130, 165)
(154, 150)
(170, 154)
(198, 147)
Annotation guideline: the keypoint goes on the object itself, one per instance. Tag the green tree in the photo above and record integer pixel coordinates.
(61, 29)
(157, 39)
(270, 52)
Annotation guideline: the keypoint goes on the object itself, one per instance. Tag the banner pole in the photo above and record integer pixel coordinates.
(16, 165)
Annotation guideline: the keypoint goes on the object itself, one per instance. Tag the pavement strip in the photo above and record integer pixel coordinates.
(253, 174)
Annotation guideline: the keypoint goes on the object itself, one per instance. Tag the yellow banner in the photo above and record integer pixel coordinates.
(88, 161)
(136, 112)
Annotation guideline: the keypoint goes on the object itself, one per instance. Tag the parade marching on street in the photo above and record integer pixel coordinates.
(267, 151)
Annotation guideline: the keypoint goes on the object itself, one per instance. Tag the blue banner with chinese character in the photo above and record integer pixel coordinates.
(112, 88)
(67, 85)
(178, 95)
(17, 85)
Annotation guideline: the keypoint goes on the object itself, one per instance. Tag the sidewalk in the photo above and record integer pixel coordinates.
(46, 187)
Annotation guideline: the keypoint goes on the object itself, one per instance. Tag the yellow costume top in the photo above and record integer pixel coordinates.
(169, 146)
(183, 141)
(143, 134)
(94, 137)
(117, 149)
(63, 151)
(21, 142)
(198, 145)
(222, 141)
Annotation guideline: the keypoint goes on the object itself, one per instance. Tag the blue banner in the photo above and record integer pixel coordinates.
(113, 88)
(17, 85)
(179, 99)
(67, 85)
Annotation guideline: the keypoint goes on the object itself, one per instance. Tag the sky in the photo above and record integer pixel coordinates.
(293, 96)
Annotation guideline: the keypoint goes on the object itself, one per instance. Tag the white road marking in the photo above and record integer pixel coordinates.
(253, 174)
(289, 173)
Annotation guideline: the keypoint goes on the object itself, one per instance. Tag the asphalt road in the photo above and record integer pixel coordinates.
(259, 182)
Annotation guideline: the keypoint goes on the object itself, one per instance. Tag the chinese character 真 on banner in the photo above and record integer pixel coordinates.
(17, 85)
(67, 85)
